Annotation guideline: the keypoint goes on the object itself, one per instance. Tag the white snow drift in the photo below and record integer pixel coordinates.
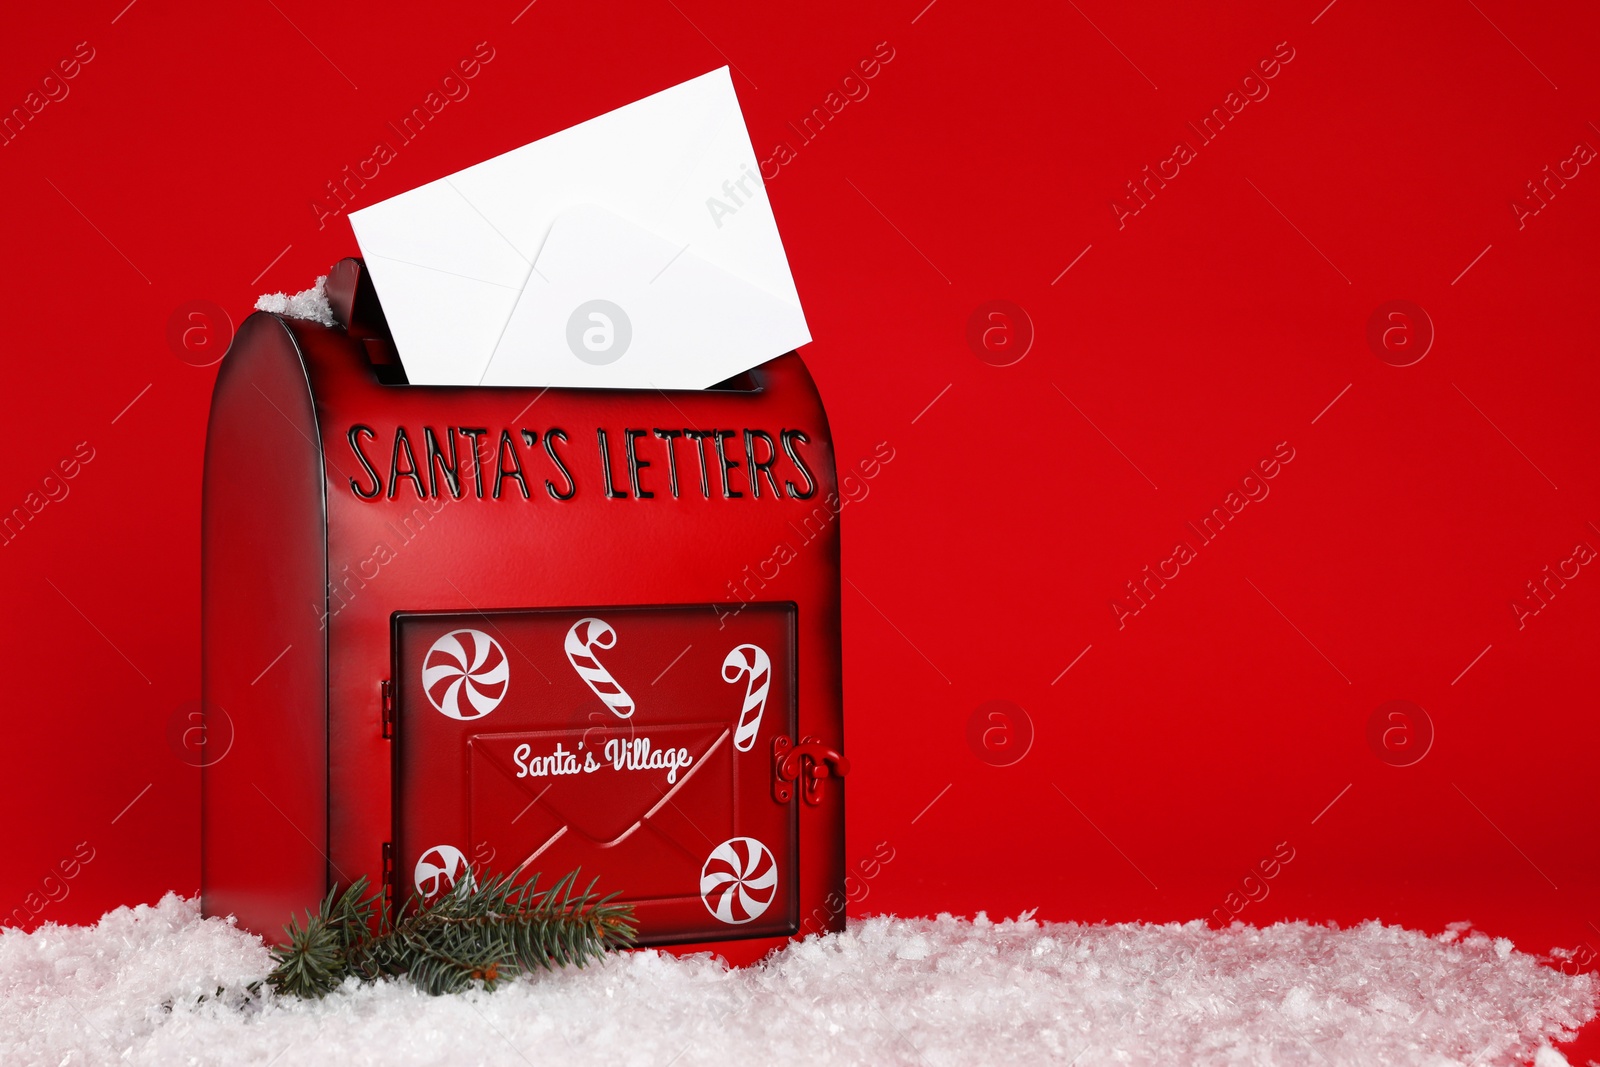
(142, 987)
(309, 303)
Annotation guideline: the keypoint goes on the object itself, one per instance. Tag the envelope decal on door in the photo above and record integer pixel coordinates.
(663, 806)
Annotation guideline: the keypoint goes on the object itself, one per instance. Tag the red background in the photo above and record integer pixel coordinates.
(1222, 319)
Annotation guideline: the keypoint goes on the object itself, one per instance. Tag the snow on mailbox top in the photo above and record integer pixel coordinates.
(567, 263)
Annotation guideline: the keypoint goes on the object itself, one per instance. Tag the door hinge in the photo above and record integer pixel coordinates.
(388, 708)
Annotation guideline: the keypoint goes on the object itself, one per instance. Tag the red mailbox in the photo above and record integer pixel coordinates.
(455, 629)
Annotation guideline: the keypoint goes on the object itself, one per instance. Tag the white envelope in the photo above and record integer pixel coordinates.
(610, 301)
(461, 264)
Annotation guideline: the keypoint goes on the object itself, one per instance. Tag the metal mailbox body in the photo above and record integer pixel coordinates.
(418, 602)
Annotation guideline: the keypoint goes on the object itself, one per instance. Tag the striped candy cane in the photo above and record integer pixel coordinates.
(752, 662)
(585, 636)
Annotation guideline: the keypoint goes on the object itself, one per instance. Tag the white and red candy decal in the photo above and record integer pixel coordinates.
(585, 636)
(752, 663)
(439, 869)
(739, 880)
(465, 674)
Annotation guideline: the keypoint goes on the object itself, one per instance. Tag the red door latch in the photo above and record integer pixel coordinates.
(809, 762)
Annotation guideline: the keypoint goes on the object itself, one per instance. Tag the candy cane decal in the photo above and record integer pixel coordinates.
(752, 662)
(585, 636)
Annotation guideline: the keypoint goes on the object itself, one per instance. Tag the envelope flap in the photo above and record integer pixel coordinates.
(603, 785)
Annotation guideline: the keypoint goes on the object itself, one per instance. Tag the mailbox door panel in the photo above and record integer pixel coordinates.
(633, 743)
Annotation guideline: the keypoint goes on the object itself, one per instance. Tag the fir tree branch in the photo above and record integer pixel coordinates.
(476, 932)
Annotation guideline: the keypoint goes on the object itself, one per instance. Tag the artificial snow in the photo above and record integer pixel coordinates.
(160, 985)
(309, 303)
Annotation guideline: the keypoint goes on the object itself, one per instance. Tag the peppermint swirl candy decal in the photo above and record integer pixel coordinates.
(739, 880)
(439, 869)
(465, 674)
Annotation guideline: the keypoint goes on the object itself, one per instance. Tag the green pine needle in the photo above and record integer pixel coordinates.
(475, 933)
